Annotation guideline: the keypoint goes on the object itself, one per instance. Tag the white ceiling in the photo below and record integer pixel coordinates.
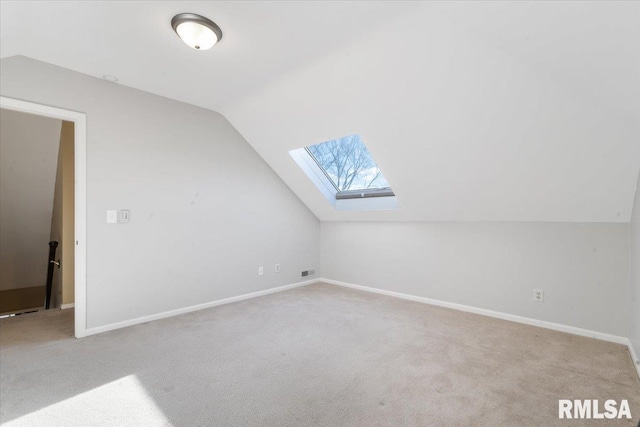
(490, 111)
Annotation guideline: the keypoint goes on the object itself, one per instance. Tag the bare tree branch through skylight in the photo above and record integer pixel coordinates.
(348, 164)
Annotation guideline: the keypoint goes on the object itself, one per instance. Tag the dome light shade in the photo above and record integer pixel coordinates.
(196, 31)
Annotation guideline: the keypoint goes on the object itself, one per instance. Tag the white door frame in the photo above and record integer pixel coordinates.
(80, 135)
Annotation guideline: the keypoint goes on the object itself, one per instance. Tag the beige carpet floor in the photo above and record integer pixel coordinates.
(317, 355)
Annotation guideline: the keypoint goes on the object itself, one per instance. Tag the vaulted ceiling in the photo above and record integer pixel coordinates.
(475, 111)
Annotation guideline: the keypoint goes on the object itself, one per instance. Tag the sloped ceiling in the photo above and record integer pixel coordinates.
(475, 111)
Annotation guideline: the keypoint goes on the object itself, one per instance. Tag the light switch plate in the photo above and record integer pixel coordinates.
(112, 217)
(125, 215)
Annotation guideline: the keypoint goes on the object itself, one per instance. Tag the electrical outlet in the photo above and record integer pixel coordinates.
(277, 269)
(538, 295)
(312, 272)
(260, 271)
(305, 273)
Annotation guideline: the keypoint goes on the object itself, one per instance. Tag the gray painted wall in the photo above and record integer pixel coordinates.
(28, 162)
(583, 268)
(206, 210)
(634, 328)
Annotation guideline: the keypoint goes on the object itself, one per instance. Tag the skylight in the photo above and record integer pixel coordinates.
(345, 174)
(349, 166)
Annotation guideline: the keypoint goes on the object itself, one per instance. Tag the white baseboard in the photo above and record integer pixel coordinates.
(178, 311)
(67, 306)
(23, 310)
(498, 315)
(634, 357)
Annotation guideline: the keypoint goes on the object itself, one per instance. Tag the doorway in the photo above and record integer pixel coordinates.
(32, 154)
(73, 127)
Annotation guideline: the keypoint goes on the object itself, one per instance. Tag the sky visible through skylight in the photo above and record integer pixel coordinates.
(348, 164)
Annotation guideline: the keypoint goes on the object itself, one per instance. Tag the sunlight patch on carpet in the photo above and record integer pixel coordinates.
(123, 402)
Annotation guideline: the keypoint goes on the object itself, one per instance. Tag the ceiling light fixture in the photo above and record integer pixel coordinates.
(196, 31)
